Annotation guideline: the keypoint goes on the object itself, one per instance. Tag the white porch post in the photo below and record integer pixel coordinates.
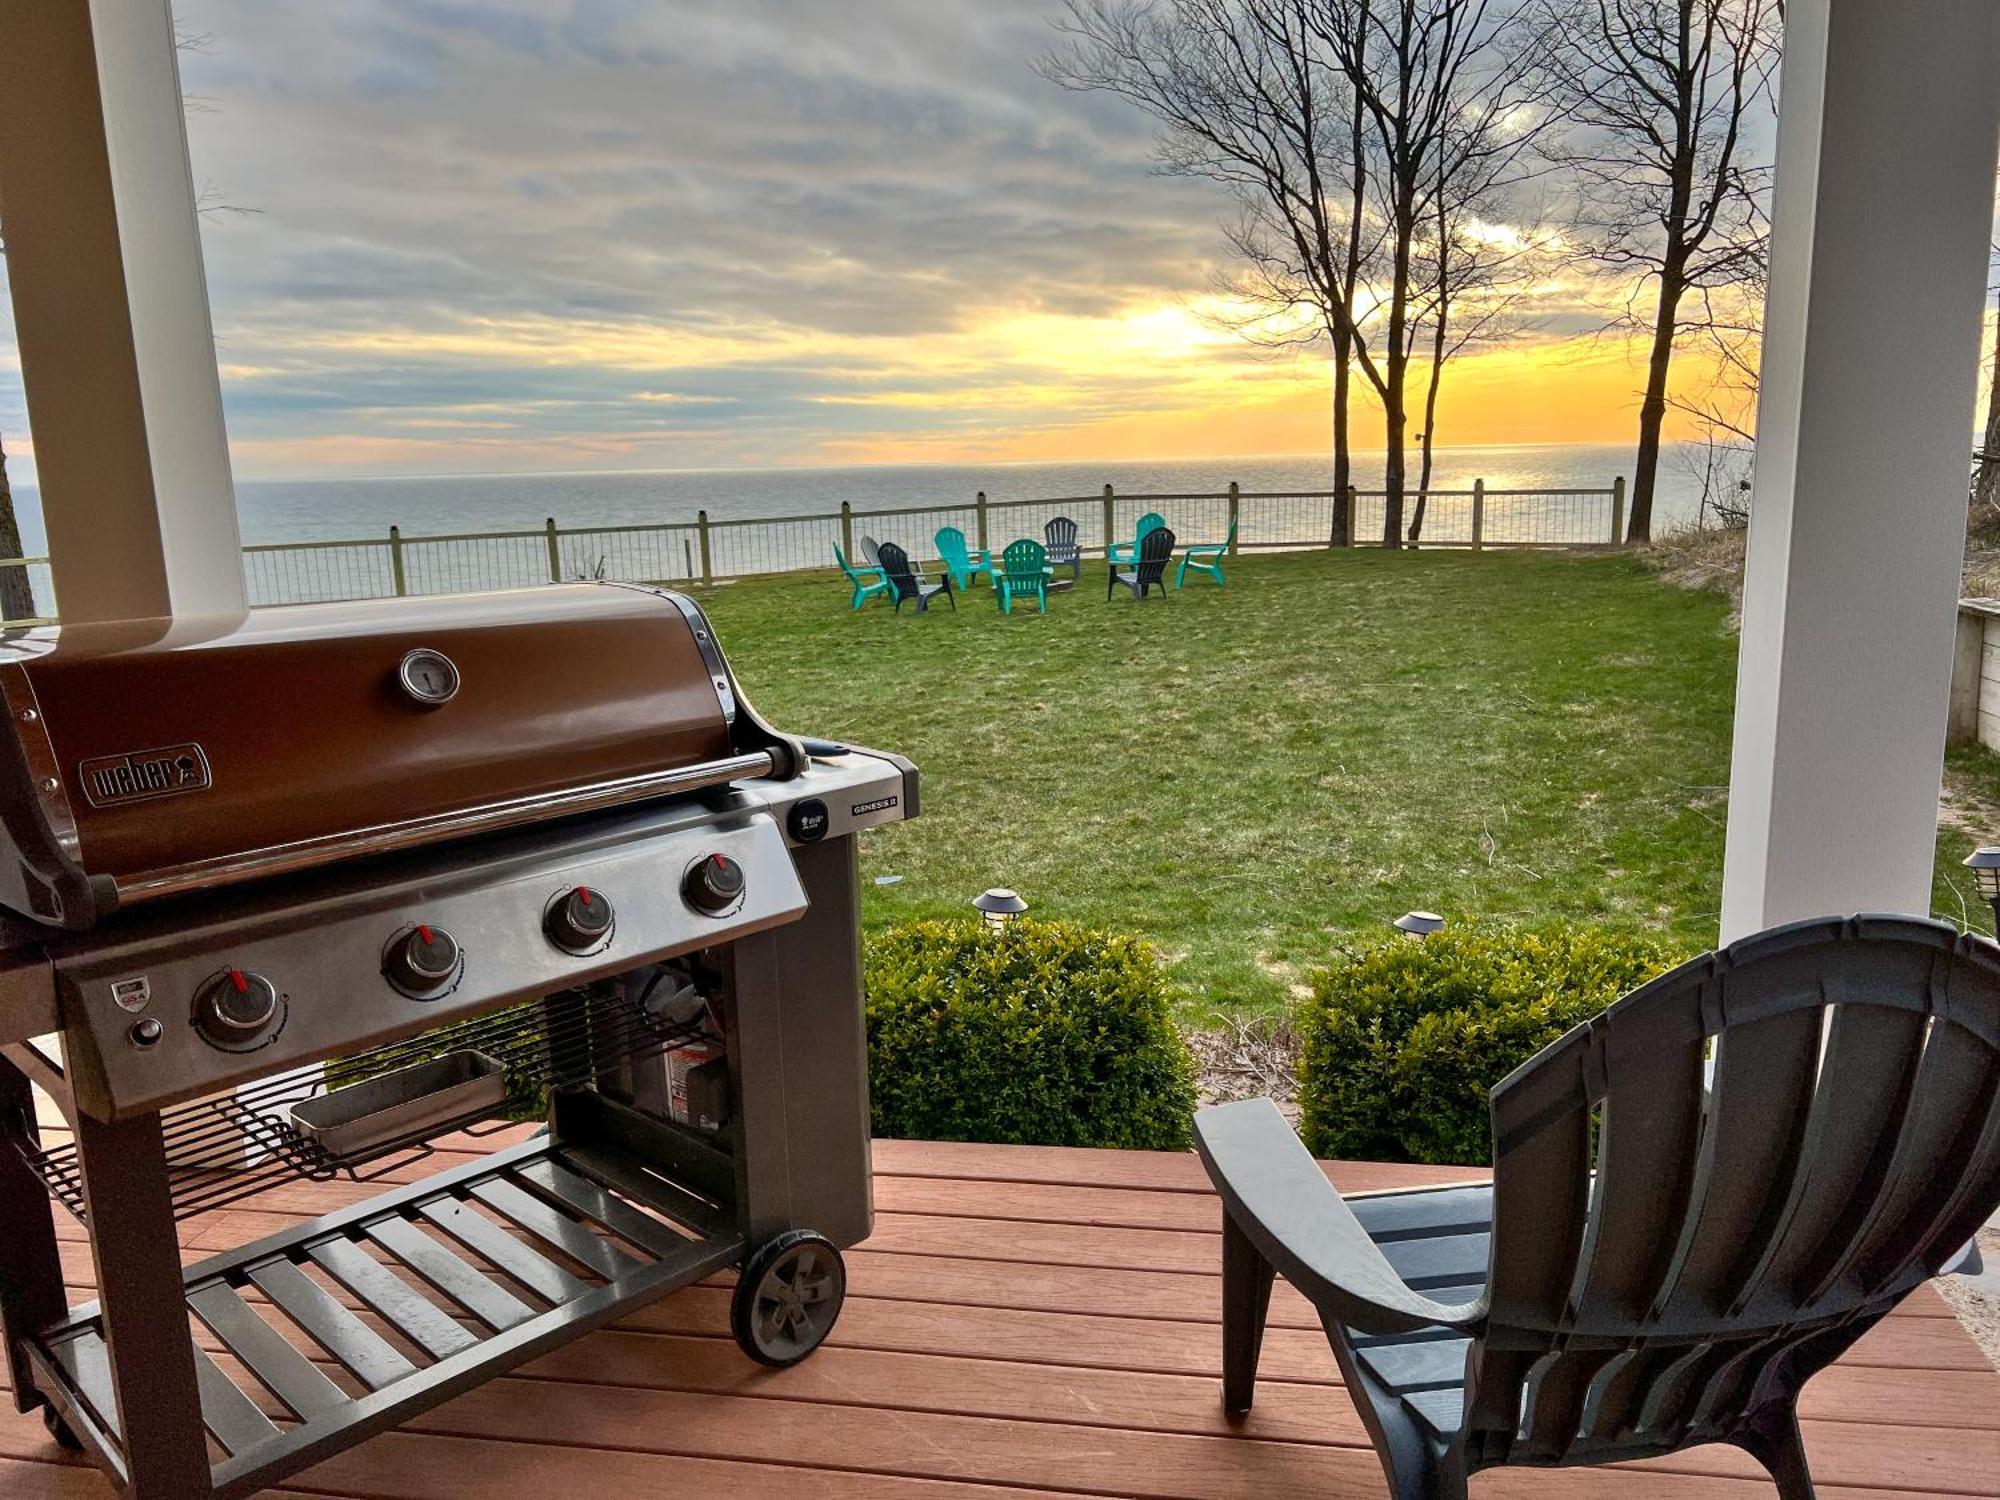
(104, 257)
(1889, 117)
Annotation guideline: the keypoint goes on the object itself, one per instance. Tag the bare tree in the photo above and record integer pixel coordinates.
(1346, 128)
(1245, 97)
(1450, 92)
(1663, 99)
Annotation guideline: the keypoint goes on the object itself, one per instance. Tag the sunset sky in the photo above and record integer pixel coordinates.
(521, 235)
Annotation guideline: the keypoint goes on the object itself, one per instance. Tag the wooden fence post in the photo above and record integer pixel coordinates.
(1478, 514)
(847, 531)
(1618, 511)
(396, 560)
(980, 503)
(555, 553)
(707, 560)
(1110, 520)
(1235, 513)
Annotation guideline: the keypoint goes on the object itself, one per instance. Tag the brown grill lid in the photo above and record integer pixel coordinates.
(177, 748)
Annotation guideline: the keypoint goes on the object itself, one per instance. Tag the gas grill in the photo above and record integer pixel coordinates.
(333, 893)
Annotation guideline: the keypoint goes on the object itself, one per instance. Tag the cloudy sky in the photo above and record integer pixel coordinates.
(521, 235)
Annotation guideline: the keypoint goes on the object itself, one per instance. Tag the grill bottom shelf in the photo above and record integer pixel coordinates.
(309, 1341)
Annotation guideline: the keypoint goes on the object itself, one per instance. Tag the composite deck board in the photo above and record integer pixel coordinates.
(1025, 1322)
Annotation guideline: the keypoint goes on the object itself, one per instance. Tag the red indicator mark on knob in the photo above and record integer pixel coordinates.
(241, 984)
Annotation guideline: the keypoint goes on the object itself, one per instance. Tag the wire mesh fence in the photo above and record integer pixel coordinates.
(705, 551)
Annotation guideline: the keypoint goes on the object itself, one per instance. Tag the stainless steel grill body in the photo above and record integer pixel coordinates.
(568, 947)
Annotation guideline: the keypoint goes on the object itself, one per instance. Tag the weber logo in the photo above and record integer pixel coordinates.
(880, 804)
(111, 779)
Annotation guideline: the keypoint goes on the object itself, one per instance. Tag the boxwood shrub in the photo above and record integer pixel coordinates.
(1042, 1032)
(1402, 1041)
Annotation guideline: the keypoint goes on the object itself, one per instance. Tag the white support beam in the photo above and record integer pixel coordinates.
(1888, 124)
(111, 310)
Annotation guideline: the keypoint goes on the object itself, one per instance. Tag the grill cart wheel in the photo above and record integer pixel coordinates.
(788, 1298)
(59, 1430)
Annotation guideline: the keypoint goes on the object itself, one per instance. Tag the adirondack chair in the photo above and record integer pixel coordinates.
(1024, 574)
(871, 551)
(1788, 1136)
(1149, 572)
(1059, 536)
(907, 583)
(963, 565)
(1128, 552)
(867, 582)
(1206, 557)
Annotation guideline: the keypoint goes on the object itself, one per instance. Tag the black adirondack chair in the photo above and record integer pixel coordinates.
(1156, 549)
(1787, 1137)
(1059, 537)
(905, 582)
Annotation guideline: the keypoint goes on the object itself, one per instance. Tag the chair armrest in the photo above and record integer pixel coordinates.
(1278, 1196)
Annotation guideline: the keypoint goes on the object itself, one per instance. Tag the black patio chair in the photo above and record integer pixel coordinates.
(1059, 539)
(1149, 573)
(1699, 1200)
(905, 582)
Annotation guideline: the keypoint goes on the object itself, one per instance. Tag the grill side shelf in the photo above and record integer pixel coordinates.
(514, 1255)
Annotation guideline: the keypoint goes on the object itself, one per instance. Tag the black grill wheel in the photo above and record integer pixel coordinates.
(788, 1298)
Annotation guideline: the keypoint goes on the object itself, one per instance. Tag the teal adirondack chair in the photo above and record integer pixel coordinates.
(1207, 558)
(1128, 552)
(867, 581)
(1024, 571)
(964, 565)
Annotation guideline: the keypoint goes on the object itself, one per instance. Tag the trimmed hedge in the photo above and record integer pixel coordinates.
(1402, 1041)
(1042, 1032)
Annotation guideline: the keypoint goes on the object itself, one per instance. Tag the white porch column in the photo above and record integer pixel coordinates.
(1886, 153)
(104, 257)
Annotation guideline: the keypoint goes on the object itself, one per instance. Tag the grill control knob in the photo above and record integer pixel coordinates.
(423, 960)
(579, 920)
(235, 1007)
(714, 885)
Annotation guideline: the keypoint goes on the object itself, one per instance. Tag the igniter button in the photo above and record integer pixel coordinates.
(145, 1032)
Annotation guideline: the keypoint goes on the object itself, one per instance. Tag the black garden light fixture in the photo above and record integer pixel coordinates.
(1418, 924)
(999, 907)
(1984, 862)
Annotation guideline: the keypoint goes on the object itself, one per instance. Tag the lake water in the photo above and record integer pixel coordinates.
(325, 509)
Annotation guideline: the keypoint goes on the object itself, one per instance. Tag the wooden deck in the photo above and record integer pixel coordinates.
(1029, 1321)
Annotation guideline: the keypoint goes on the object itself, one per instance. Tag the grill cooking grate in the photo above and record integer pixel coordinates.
(223, 1150)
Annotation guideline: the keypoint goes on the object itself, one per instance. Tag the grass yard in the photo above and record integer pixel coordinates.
(1243, 775)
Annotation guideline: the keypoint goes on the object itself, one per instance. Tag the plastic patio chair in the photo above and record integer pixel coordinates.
(964, 565)
(1128, 552)
(867, 582)
(1150, 571)
(907, 583)
(1206, 557)
(1787, 1137)
(1024, 573)
(1059, 537)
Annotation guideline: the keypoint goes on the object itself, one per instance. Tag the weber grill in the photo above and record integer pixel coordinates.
(329, 893)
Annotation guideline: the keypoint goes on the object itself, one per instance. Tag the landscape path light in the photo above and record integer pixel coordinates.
(1419, 924)
(999, 906)
(1984, 862)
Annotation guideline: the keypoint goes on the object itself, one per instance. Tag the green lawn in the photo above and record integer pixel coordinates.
(1241, 775)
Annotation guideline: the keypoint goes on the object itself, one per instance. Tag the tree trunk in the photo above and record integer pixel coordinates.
(1395, 407)
(17, 593)
(1653, 410)
(1343, 455)
(1439, 324)
(1986, 484)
